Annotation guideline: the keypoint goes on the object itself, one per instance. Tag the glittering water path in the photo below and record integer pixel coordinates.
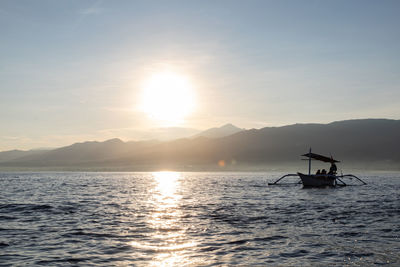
(195, 219)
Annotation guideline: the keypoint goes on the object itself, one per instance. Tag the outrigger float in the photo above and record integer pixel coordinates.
(320, 179)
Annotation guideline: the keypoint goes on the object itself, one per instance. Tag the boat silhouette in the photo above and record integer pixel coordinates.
(320, 179)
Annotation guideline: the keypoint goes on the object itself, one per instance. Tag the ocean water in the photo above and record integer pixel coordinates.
(195, 219)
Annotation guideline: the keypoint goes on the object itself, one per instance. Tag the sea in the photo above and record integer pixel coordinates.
(196, 219)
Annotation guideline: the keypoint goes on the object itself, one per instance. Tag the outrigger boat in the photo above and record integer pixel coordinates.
(330, 179)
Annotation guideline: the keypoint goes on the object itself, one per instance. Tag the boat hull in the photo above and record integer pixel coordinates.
(317, 180)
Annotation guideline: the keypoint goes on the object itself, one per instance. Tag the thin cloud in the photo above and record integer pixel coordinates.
(91, 11)
(14, 138)
(94, 9)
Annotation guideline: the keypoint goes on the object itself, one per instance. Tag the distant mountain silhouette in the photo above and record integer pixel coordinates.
(167, 133)
(217, 132)
(83, 154)
(15, 154)
(369, 142)
(173, 133)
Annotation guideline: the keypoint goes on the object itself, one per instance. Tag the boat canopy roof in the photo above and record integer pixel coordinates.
(320, 157)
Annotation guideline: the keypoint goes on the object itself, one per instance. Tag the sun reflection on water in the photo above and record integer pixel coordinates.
(166, 185)
(167, 239)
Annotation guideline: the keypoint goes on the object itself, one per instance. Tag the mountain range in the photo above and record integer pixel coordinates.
(366, 143)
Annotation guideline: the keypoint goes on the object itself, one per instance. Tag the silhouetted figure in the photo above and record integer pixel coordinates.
(318, 172)
(323, 171)
(333, 168)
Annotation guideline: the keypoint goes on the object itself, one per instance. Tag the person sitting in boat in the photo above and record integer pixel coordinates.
(323, 171)
(318, 172)
(333, 168)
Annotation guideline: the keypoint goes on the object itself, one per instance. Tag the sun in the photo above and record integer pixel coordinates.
(167, 97)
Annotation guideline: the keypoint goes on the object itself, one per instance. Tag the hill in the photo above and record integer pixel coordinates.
(15, 154)
(217, 132)
(371, 143)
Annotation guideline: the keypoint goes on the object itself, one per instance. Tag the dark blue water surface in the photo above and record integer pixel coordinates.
(195, 219)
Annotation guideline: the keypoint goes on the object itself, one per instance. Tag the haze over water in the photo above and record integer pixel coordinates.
(195, 219)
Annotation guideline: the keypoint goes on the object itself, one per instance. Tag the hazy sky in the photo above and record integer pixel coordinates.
(72, 70)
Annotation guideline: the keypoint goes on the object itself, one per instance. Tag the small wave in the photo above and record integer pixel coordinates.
(69, 209)
(114, 205)
(91, 234)
(24, 207)
(258, 218)
(326, 254)
(294, 254)
(359, 255)
(349, 234)
(7, 218)
(270, 238)
(2, 245)
(238, 242)
(309, 235)
(66, 260)
(166, 230)
(210, 248)
(165, 248)
(257, 239)
(118, 249)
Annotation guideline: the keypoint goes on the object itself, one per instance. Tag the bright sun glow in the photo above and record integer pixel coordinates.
(168, 97)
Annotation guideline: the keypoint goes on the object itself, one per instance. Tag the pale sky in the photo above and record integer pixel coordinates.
(72, 71)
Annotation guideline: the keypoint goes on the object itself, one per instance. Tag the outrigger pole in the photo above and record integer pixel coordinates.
(351, 176)
(286, 175)
(336, 177)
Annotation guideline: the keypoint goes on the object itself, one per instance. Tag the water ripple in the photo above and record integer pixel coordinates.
(195, 219)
